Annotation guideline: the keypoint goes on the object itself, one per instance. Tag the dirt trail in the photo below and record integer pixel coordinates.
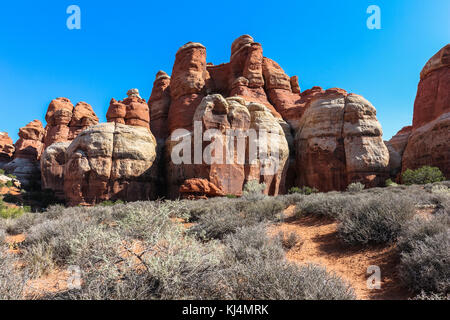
(321, 245)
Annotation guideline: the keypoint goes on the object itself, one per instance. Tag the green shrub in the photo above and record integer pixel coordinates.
(303, 190)
(355, 187)
(231, 196)
(377, 219)
(390, 183)
(425, 254)
(9, 184)
(11, 176)
(253, 191)
(2, 171)
(423, 175)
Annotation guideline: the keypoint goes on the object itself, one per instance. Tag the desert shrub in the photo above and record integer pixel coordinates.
(220, 220)
(431, 296)
(231, 196)
(253, 191)
(10, 175)
(252, 243)
(355, 187)
(2, 171)
(423, 175)
(290, 240)
(9, 184)
(12, 280)
(281, 280)
(377, 219)
(7, 212)
(325, 204)
(390, 183)
(425, 254)
(303, 190)
(108, 203)
(291, 199)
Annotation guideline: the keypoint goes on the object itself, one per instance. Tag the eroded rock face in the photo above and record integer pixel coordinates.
(110, 161)
(53, 160)
(339, 141)
(65, 122)
(25, 165)
(428, 142)
(132, 110)
(6, 148)
(222, 158)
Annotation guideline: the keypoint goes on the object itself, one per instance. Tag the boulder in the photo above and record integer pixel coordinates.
(199, 189)
(110, 161)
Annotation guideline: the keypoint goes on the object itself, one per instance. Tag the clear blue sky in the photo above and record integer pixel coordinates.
(122, 44)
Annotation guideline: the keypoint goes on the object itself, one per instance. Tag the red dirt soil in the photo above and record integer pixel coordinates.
(320, 245)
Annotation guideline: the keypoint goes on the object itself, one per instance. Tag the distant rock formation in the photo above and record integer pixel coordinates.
(6, 149)
(65, 122)
(132, 110)
(28, 149)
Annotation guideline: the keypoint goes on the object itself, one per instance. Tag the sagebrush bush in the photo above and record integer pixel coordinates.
(355, 187)
(12, 280)
(377, 219)
(325, 204)
(424, 247)
(253, 191)
(280, 280)
(423, 175)
(220, 220)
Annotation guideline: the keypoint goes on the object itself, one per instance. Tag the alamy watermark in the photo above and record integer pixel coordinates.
(374, 20)
(234, 146)
(74, 20)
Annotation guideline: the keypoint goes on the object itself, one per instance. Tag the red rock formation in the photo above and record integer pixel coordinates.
(6, 148)
(199, 188)
(187, 85)
(158, 104)
(428, 143)
(132, 110)
(25, 165)
(83, 117)
(110, 161)
(231, 168)
(65, 122)
(339, 142)
(29, 145)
